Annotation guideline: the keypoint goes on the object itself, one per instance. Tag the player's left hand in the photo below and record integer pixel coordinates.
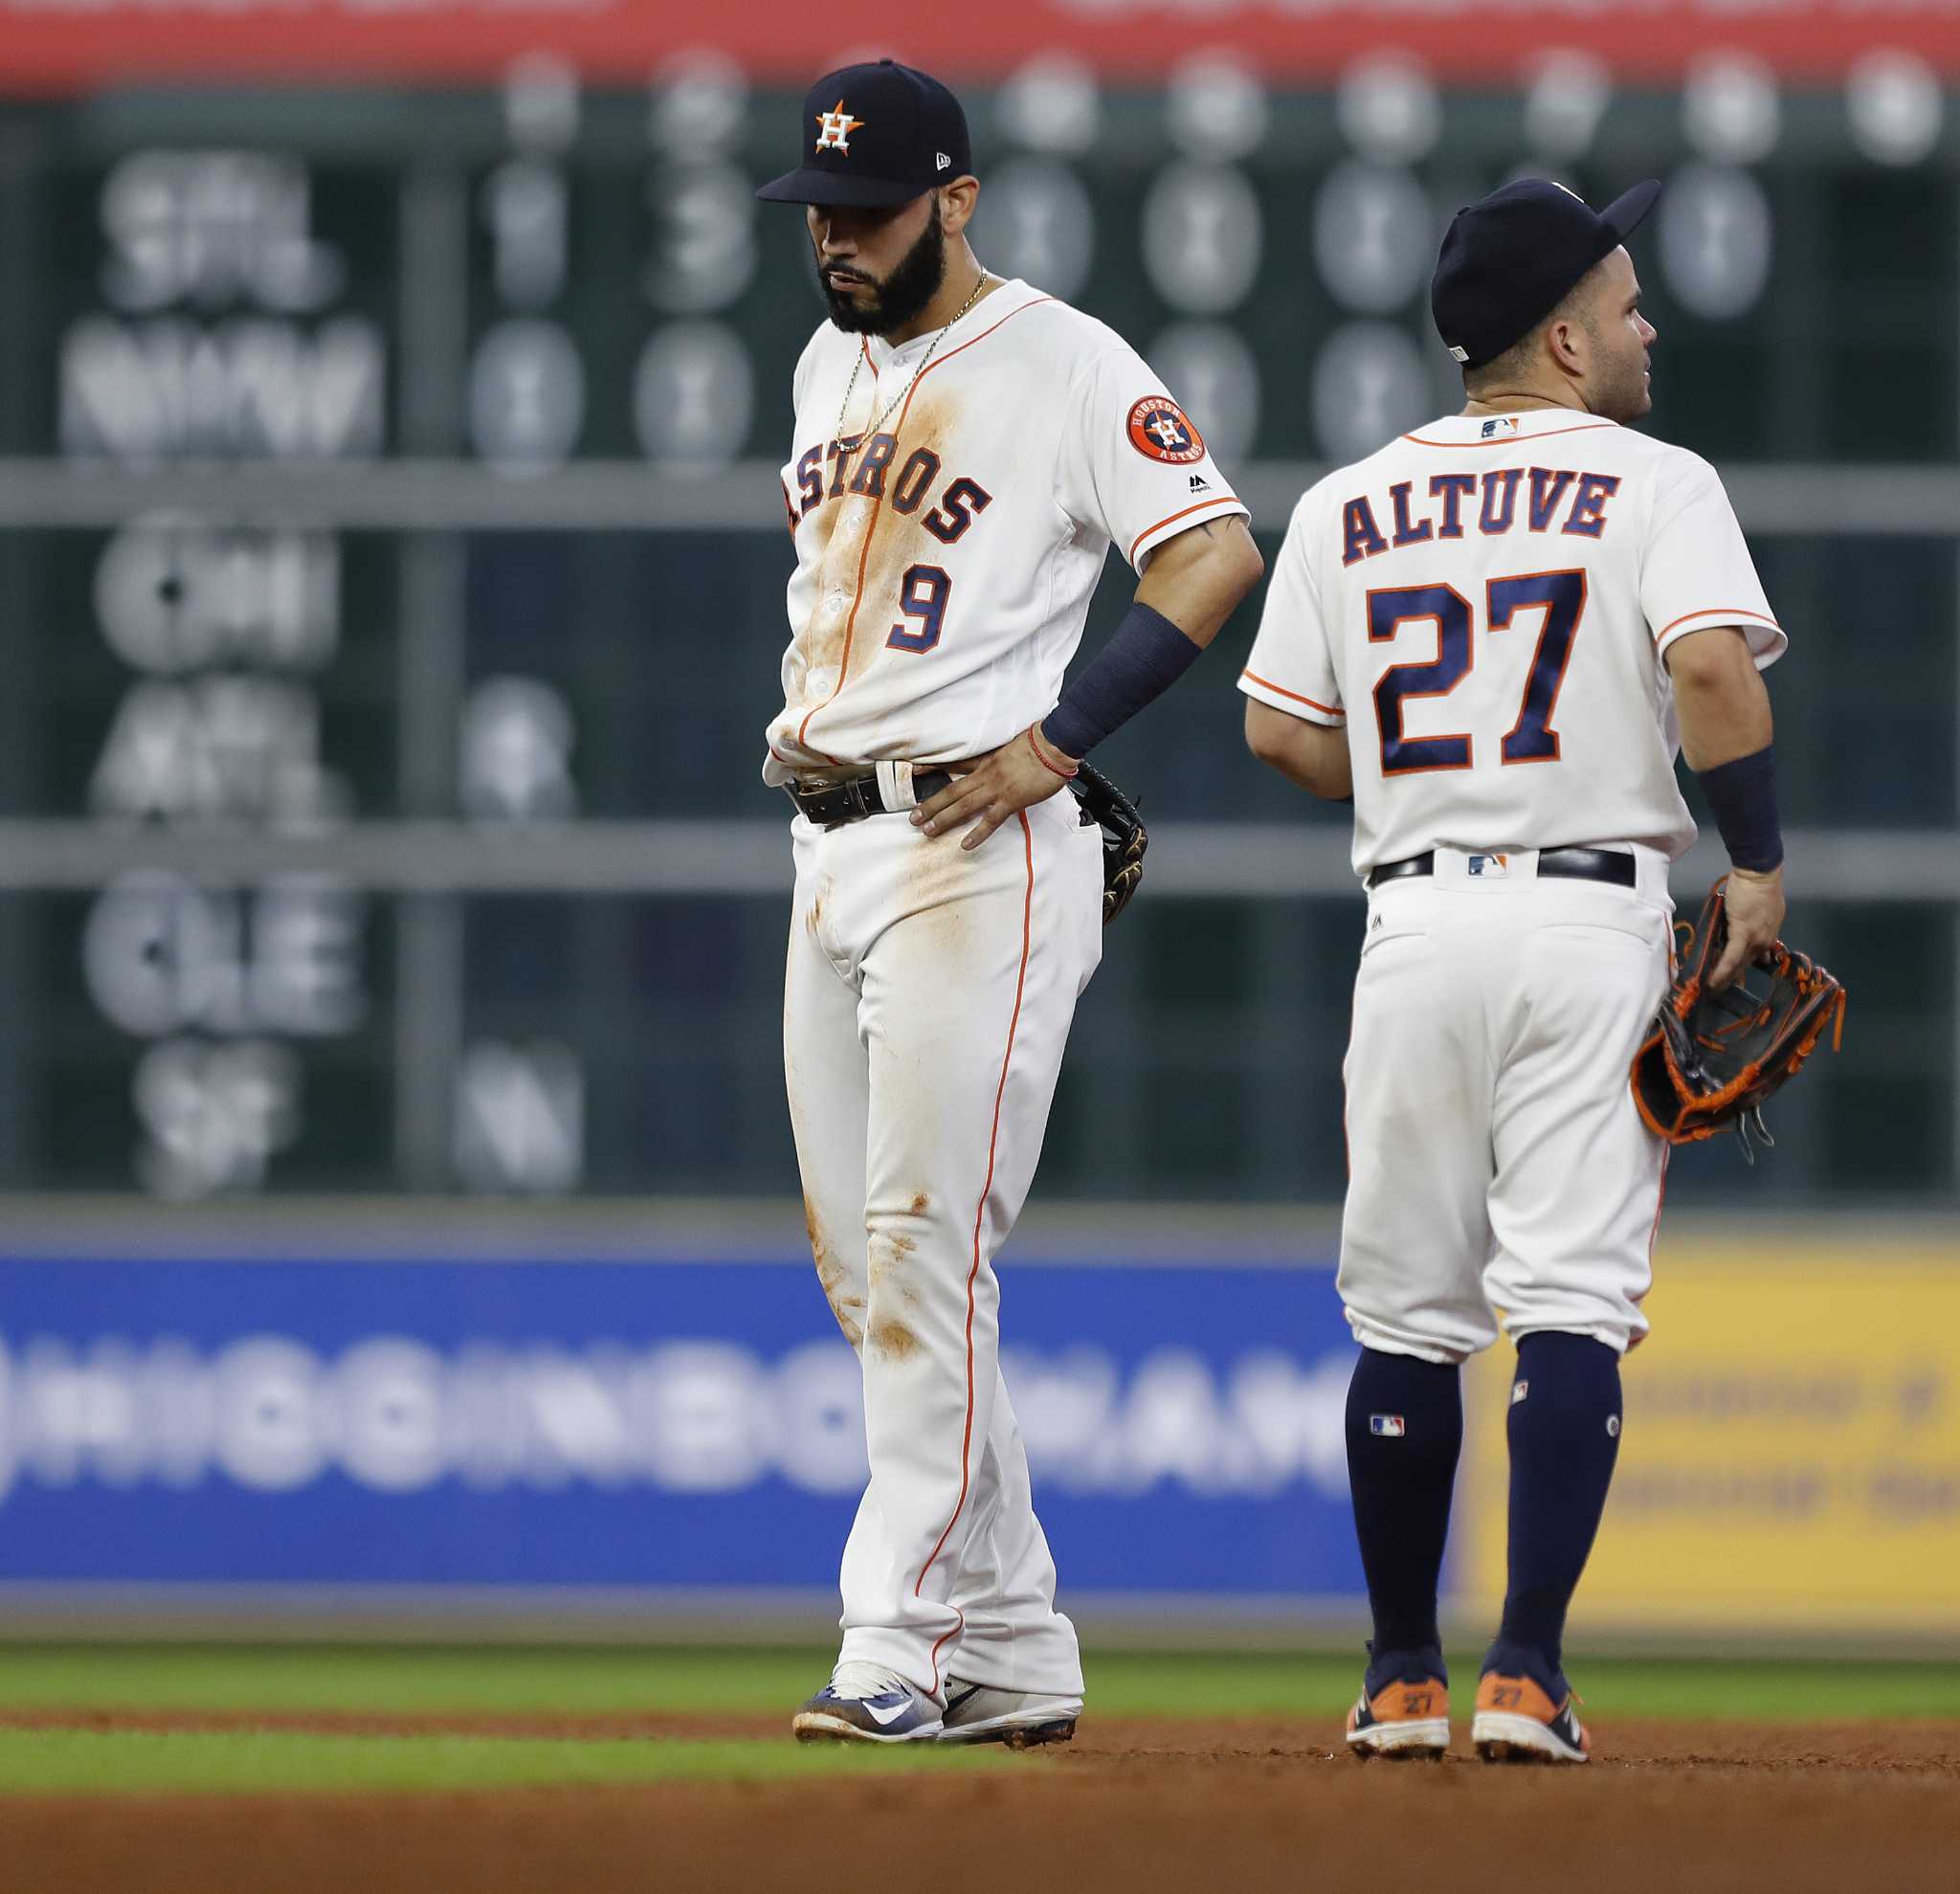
(1753, 910)
(994, 787)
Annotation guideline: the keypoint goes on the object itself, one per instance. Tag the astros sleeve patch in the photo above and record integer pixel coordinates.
(1133, 468)
(1160, 431)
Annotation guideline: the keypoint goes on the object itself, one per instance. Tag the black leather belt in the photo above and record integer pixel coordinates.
(1570, 864)
(859, 796)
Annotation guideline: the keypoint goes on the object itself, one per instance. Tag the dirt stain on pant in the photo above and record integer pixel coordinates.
(892, 1247)
(832, 1274)
(891, 1339)
(890, 1253)
(812, 917)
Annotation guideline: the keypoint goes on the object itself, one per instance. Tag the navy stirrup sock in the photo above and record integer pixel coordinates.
(1563, 1427)
(1405, 1429)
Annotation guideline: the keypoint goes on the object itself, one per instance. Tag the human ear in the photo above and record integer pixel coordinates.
(1567, 342)
(956, 203)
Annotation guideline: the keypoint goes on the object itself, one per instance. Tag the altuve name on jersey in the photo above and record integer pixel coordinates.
(1487, 503)
(863, 467)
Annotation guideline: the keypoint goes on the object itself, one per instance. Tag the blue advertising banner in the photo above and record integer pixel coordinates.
(635, 1424)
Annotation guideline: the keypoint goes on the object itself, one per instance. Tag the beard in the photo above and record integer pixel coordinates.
(1640, 394)
(1626, 397)
(1620, 392)
(914, 281)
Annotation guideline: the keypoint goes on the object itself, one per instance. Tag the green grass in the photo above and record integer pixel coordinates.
(1237, 1683)
(49, 1762)
(583, 1681)
(569, 1682)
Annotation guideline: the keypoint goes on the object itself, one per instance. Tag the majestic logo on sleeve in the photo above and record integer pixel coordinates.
(1158, 431)
(834, 128)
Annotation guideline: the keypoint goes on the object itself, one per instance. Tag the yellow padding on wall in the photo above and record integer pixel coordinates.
(1791, 1454)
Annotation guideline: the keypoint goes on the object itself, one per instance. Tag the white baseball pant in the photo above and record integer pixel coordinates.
(1496, 1160)
(926, 1003)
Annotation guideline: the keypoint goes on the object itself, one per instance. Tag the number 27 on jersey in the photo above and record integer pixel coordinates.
(1532, 738)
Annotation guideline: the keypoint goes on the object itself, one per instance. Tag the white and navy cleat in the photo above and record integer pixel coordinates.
(1021, 1719)
(1519, 1720)
(1406, 1719)
(865, 1702)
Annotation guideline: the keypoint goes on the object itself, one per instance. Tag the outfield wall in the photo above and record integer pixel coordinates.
(1790, 1458)
(593, 1434)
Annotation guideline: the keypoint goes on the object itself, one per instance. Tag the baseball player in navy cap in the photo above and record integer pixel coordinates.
(1494, 634)
(966, 452)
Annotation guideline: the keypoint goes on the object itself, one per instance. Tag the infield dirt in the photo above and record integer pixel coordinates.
(1133, 1804)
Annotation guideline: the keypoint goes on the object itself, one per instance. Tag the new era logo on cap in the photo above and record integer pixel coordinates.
(1390, 1424)
(941, 162)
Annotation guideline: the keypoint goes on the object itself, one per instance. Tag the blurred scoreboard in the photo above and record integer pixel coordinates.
(390, 545)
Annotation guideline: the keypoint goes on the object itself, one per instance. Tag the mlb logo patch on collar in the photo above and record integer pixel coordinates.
(1390, 1424)
(1489, 867)
(1499, 425)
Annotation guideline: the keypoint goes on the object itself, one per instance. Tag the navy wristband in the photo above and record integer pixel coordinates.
(1145, 657)
(1743, 796)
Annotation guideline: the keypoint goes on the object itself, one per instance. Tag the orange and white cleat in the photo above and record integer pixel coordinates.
(1406, 1719)
(1517, 1720)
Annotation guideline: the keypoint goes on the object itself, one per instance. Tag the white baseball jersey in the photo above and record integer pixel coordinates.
(946, 550)
(1485, 603)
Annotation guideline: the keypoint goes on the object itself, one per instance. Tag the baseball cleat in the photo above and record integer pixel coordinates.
(865, 1702)
(1518, 1721)
(1021, 1719)
(1405, 1719)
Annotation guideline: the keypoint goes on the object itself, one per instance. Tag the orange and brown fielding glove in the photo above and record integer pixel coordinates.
(1712, 1060)
(1124, 837)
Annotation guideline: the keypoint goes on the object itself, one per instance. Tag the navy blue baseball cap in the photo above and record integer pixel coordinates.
(875, 134)
(1509, 260)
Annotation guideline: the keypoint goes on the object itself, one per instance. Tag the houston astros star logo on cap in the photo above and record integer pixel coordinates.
(834, 128)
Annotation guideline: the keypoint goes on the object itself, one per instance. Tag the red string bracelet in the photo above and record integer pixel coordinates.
(1066, 775)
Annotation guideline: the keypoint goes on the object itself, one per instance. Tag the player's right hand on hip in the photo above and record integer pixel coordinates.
(1754, 906)
(997, 786)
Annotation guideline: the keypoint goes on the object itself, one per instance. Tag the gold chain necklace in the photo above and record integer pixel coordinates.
(858, 362)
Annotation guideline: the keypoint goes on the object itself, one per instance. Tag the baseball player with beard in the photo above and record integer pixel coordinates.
(1494, 634)
(965, 450)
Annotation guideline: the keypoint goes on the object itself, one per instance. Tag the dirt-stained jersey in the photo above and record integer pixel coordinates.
(946, 552)
(1485, 604)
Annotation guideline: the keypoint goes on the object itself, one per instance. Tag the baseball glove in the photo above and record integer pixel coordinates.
(1712, 1060)
(1124, 837)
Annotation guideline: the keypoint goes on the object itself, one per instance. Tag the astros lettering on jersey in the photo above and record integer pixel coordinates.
(1490, 598)
(940, 590)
